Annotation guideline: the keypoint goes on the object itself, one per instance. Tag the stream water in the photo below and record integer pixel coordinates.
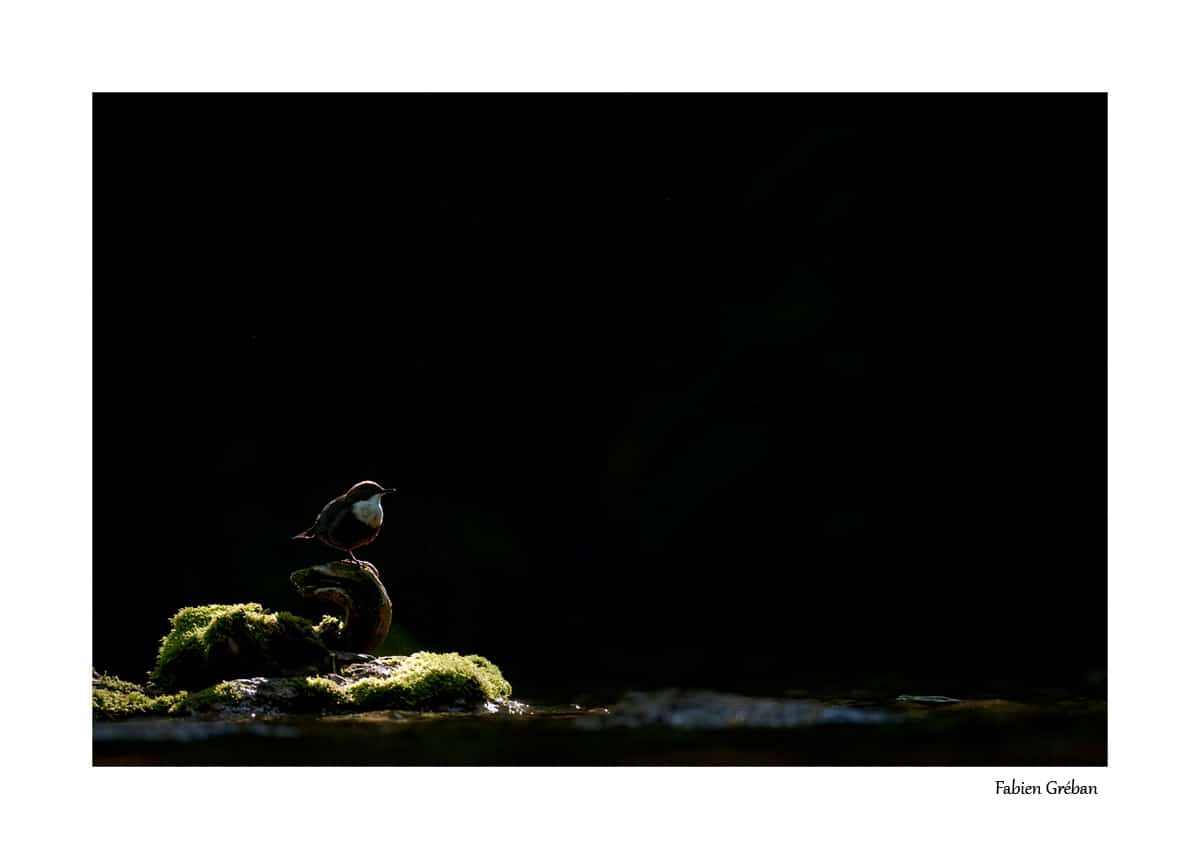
(663, 727)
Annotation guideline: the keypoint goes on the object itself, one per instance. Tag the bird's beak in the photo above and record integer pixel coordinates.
(388, 491)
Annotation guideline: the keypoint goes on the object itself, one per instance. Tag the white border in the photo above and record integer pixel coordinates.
(54, 55)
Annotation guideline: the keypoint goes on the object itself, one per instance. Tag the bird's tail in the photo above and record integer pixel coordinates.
(304, 535)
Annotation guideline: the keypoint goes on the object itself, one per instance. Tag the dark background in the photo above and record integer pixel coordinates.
(747, 392)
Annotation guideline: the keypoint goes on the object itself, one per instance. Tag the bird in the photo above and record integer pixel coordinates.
(351, 520)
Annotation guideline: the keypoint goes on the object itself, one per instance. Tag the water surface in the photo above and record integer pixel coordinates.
(662, 727)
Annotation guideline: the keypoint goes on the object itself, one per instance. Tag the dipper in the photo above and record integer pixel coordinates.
(350, 520)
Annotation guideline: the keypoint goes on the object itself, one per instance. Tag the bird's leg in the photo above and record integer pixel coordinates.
(356, 561)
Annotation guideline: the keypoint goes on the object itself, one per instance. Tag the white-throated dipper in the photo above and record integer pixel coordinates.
(350, 520)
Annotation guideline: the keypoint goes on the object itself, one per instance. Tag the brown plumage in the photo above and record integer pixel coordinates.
(351, 520)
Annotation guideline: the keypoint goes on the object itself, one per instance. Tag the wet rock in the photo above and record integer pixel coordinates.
(690, 709)
(506, 707)
(421, 681)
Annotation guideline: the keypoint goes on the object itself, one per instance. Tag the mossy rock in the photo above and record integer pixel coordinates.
(211, 643)
(113, 698)
(422, 681)
(222, 658)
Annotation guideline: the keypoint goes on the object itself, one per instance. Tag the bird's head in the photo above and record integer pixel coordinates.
(366, 490)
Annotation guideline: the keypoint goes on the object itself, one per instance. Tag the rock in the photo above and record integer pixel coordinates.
(698, 709)
(282, 663)
(927, 699)
(209, 643)
(357, 594)
(113, 698)
(418, 681)
(422, 681)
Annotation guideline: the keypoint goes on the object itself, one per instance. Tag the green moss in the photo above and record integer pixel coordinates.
(113, 684)
(319, 693)
(417, 682)
(206, 699)
(426, 680)
(420, 681)
(210, 643)
(113, 698)
(329, 630)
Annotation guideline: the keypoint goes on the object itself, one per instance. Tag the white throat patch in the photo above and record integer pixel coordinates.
(369, 512)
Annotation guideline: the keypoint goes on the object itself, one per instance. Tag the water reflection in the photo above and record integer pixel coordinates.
(687, 709)
(667, 726)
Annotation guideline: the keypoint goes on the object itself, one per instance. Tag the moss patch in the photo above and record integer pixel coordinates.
(233, 657)
(210, 643)
(212, 698)
(113, 698)
(329, 630)
(420, 681)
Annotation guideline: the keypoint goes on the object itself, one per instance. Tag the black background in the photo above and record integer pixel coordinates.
(750, 392)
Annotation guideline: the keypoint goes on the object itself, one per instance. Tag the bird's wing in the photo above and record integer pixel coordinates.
(331, 516)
